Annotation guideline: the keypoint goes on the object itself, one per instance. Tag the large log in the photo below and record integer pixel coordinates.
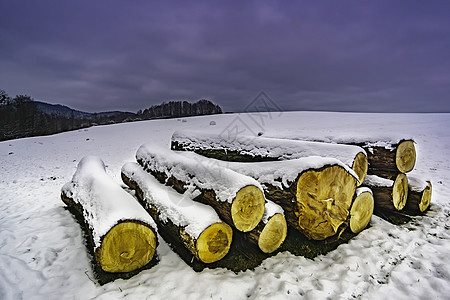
(256, 149)
(271, 231)
(122, 234)
(419, 195)
(388, 194)
(180, 220)
(361, 210)
(238, 199)
(315, 192)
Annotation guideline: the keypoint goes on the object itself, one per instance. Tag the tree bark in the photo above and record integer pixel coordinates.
(258, 149)
(208, 246)
(121, 234)
(237, 199)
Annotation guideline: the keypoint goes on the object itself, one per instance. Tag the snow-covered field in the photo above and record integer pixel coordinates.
(42, 252)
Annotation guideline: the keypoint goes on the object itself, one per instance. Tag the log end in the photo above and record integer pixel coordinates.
(360, 166)
(324, 198)
(126, 247)
(400, 191)
(361, 211)
(247, 208)
(273, 234)
(426, 198)
(214, 242)
(405, 157)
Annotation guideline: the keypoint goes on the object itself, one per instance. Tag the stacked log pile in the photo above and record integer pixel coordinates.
(233, 203)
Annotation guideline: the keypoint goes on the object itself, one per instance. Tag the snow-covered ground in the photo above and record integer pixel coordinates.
(42, 253)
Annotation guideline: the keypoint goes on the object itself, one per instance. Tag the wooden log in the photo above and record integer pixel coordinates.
(315, 192)
(180, 220)
(387, 156)
(257, 149)
(361, 210)
(271, 231)
(419, 195)
(388, 194)
(389, 159)
(123, 235)
(238, 199)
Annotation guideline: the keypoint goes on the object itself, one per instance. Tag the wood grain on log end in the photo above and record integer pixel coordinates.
(324, 198)
(361, 211)
(426, 198)
(405, 157)
(360, 166)
(400, 192)
(214, 242)
(273, 234)
(126, 247)
(247, 208)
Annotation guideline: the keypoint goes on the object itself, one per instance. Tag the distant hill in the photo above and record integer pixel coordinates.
(27, 118)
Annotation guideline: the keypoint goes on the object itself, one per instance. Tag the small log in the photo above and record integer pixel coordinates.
(419, 195)
(258, 149)
(180, 220)
(238, 199)
(122, 234)
(271, 231)
(361, 210)
(315, 192)
(388, 194)
(388, 160)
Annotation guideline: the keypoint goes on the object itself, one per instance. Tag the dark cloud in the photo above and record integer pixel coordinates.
(327, 55)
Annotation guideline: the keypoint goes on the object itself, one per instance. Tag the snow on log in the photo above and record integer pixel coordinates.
(361, 210)
(181, 221)
(238, 199)
(271, 231)
(419, 195)
(122, 233)
(249, 148)
(315, 192)
(388, 194)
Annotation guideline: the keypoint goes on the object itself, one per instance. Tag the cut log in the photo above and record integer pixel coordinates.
(387, 156)
(388, 194)
(238, 199)
(388, 160)
(257, 149)
(272, 229)
(315, 192)
(361, 210)
(419, 195)
(122, 233)
(180, 220)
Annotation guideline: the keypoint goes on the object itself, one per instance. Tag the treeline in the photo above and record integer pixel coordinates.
(175, 109)
(21, 116)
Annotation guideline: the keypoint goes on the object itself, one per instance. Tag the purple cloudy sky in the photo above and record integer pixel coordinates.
(382, 56)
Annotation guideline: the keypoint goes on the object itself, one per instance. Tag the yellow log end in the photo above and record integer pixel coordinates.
(214, 242)
(247, 208)
(360, 166)
(400, 191)
(324, 198)
(405, 157)
(426, 198)
(126, 247)
(273, 234)
(361, 212)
